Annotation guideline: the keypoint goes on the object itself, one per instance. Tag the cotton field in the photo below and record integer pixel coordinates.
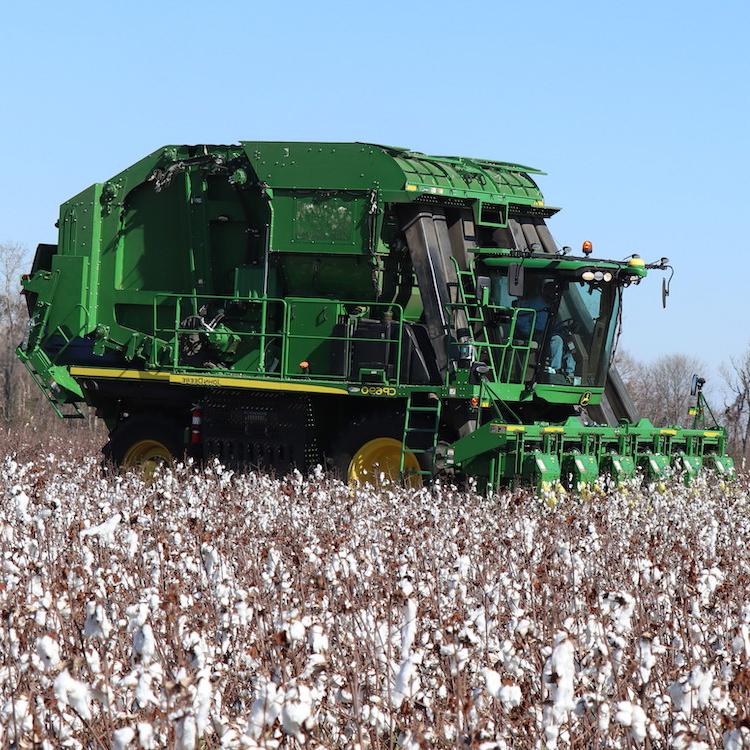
(207, 610)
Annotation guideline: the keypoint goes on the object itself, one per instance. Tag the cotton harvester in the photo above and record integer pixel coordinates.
(368, 308)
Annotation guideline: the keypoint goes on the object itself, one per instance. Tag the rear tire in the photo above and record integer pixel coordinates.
(370, 447)
(144, 442)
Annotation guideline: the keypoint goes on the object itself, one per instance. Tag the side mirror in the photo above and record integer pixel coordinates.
(696, 385)
(483, 290)
(664, 293)
(515, 280)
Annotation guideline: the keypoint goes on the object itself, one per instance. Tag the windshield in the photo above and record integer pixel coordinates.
(559, 331)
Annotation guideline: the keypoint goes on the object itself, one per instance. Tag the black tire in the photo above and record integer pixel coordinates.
(140, 428)
(355, 435)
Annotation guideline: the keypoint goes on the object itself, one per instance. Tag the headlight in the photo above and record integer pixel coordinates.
(587, 275)
(608, 276)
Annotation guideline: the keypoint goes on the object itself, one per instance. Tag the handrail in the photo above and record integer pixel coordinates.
(282, 331)
(508, 344)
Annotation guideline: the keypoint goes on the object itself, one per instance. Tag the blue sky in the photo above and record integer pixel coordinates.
(638, 111)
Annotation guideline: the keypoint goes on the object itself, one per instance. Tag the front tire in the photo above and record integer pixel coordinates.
(370, 449)
(143, 443)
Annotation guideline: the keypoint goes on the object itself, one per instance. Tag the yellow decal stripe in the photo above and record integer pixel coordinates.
(209, 381)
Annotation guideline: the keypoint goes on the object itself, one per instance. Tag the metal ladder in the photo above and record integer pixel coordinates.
(468, 300)
(421, 425)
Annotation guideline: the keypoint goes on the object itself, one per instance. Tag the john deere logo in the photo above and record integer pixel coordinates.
(585, 398)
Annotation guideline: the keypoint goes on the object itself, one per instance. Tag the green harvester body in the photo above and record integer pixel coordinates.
(290, 290)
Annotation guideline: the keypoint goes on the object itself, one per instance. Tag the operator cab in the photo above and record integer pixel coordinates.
(558, 325)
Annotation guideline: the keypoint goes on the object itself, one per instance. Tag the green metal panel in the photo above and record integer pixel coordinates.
(319, 222)
(582, 467)
(619, 466)
(361, 166)
(68, 311)
(311, 328)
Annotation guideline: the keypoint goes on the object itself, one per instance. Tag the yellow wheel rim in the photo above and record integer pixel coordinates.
(146, 455)
(382, 456)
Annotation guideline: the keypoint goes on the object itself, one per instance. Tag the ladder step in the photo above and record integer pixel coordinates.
(424, 437)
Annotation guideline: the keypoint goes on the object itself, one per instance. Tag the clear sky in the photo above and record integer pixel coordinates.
(638, 111)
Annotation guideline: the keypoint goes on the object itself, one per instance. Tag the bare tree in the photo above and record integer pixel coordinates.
(660, 390)
(13, 317)
(737, 407)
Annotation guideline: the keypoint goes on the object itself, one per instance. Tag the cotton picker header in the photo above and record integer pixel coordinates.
(370, 308)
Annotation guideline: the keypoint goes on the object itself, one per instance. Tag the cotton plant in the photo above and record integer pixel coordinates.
(209, 608)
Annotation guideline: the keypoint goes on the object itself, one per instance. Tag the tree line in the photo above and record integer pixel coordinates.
(22, 404)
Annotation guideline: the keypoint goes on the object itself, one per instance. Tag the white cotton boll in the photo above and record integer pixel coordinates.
(185, 733)
(406, 682)
(620, 607)
(492, 681)
(132, 543)
(551, 727)
(105, 531)
(662, 708)
(211, 562)
(16, 717)
(146, 736)
(559, 674)
(457, 657)
(409, 628)
(406, 587)
(510, 696)
(137, 615)
(195, 645)
(296, 710)
(202, 703)
(144, 695)
(96, 625)
(21, 502)
(295, 631)
(144, 645)
(71, 692)
(122, 738)
(646, 658)
(633, 716)
(265, 709)
(701, 681)
(708, 581)
(48, 651)
(93, 660)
